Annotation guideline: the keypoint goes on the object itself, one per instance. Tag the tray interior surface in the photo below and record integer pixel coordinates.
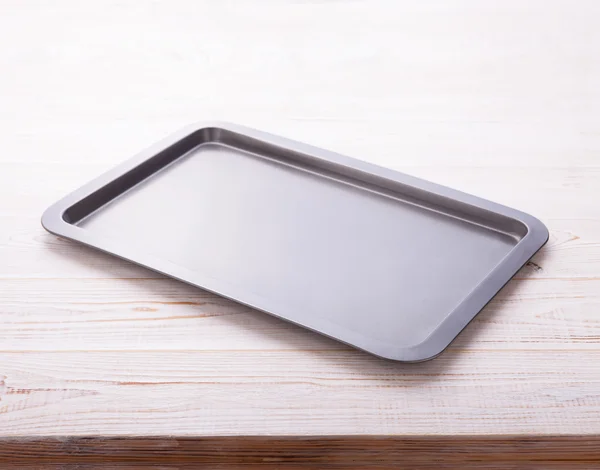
(374, 256)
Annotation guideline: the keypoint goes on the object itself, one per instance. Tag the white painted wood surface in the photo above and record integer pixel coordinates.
(499, 98)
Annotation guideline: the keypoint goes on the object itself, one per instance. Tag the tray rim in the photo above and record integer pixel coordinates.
(440, 337)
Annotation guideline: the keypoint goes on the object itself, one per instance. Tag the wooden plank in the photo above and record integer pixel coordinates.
(298, 392)
(419, 453)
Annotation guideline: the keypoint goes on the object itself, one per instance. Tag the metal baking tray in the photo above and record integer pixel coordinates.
(383, 261)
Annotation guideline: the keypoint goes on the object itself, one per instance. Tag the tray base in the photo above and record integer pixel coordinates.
(369, 258)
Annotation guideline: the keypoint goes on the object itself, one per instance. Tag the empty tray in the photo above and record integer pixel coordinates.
(383, 261)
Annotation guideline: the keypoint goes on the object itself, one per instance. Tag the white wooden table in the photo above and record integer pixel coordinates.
(499, 99)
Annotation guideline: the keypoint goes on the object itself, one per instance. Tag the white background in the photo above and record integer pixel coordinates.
(497, 98)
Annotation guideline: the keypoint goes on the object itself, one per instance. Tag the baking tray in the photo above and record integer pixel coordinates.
(380, 260)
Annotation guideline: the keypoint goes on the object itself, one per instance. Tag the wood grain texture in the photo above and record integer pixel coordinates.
(499, 99)
(420, 453)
